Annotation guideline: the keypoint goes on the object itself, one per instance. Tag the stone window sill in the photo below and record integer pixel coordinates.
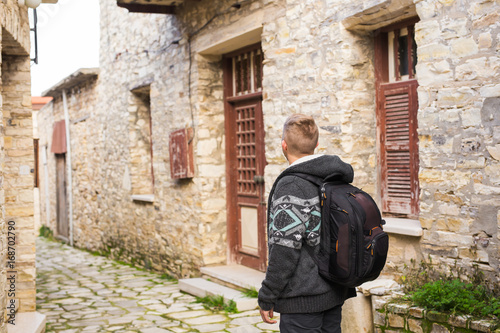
(406, 227)
(143, 197)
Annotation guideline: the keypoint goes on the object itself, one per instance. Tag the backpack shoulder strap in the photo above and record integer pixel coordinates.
(313, 179)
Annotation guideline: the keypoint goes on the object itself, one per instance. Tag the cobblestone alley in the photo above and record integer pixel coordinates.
(80, 292)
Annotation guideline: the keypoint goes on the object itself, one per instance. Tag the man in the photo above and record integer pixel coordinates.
(306, 302)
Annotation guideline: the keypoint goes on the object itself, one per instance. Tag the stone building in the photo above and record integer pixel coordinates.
(17, 167)
(175, 140)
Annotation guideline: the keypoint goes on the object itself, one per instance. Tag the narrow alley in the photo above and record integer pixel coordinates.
(80, 292)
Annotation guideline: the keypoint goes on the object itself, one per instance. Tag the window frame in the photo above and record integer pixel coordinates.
(391, 205)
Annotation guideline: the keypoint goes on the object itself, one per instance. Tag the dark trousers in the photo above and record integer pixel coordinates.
(318, 322)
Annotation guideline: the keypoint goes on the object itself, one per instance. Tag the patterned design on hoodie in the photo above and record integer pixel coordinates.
(294, 219)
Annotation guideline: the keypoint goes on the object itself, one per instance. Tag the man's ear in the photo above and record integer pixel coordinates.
(284, 145)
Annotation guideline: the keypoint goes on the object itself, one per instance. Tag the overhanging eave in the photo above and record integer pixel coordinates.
(150, 6)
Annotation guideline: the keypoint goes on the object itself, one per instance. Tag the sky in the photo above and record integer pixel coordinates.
(68, 39)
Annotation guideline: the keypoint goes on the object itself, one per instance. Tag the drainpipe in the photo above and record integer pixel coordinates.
(68, 160)
(47, 198)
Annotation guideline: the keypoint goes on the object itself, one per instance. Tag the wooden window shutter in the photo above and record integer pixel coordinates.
(181, 153)
(397, 109)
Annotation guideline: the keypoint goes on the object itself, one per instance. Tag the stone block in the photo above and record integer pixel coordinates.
(446, 251)
(427, 32)
(433, 51)
(437, 316)
(19, 211)
(449, 209)
(472, 69)
(453, 28)
(357, 314)
(463, 47)
(485, 40)
(415, 325)
(433, 74)
(482, 325)
(485, 189)
(478, 254)
(458, 321)
(398, 308)
(490, 91)
(454, 97)
(396, 321)
(426, 223)
(495, 153)
(379, 318)
(436, 328)
(487, 20)
(416, 312)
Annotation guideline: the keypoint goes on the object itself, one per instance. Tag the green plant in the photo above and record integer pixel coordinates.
(250, 293)
(217, 303)
(457, 297)
(46, 232)
(454, 288)
(167, 277)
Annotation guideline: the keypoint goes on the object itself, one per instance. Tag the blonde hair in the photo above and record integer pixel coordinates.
(300, 134)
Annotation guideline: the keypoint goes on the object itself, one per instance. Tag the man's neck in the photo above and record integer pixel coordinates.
(293, 158)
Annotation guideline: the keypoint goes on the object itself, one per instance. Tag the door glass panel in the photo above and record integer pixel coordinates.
(399, 68)
(249, 231)
(247, 73)
(403, 55)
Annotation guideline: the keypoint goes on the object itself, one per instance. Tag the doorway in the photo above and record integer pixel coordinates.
(61, 198)
(245, 157)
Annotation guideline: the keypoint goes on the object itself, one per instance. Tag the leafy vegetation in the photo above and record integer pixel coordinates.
(46, 232)
(250, 293)
(452, 289)
(217, 303)
(458, 297)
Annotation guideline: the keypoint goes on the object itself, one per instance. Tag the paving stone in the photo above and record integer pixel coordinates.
(177, 330)
(244, 329)
(205, 320)
(188, 314)
(155, 330)
(209, 327)
(122, 320)
(246, 320)
(73, 307)
(87, 323)
(269, 327)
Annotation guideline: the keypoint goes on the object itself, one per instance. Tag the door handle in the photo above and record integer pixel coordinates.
(258, 179)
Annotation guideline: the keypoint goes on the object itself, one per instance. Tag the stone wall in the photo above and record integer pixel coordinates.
(3, 223)
(18, 173)
(459, 95)
(17, 250)
(319, 60)
(82, 105)
(393, 317)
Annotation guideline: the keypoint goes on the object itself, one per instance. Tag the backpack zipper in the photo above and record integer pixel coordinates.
(359, 235)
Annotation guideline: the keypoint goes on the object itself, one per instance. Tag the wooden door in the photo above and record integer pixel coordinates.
(245, 158)
(61, 198)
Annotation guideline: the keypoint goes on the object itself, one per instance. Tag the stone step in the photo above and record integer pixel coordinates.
(201, 288)
(28, 322)
(237, 275)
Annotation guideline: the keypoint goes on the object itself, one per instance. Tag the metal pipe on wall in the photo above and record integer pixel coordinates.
(68, 159)
(46, 181)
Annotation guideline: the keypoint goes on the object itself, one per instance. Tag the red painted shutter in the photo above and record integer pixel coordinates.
(399, 147)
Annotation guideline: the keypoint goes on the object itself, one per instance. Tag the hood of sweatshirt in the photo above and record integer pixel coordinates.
(324, 166)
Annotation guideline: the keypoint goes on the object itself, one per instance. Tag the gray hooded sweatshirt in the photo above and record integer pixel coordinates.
(292, 283)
